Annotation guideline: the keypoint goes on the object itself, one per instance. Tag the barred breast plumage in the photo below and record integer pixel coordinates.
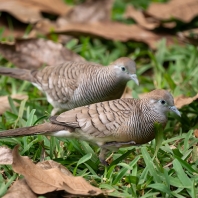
(110, 124)
(75, 84)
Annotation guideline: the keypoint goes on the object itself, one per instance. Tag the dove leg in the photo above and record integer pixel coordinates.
(103, 152)
(113, 146)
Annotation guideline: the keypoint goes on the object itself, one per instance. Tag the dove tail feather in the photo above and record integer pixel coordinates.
(22, 74)
(42, 129)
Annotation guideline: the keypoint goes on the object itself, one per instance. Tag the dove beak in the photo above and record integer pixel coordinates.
(175, 110)
(134, 78)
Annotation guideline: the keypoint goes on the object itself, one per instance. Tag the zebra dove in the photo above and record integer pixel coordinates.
(110, 124)
(75, 84)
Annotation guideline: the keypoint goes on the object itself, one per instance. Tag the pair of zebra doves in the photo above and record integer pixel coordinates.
(106, 120)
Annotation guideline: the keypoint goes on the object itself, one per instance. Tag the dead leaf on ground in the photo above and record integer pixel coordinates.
(146, 20)
(92, 18)
(140, 18)
(158, 13)
(196, 133)
(189, 36)
(181, 101)
(42, 181)
(5, 103)
(183, 10)
(108, 30)
(191, 32)
(34, 53)
(127, 93)
(52, 164)
(30, 11)
(90, 11)
(20, 189)
(5, 155)
(16, 30)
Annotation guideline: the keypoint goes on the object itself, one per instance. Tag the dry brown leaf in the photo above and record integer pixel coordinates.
(20, 189)
(146, 20)
(91, 11)
(140, 18)
(183, 10)
(108, 30)
(196, 133)
(189, 36)
(127, 93)
(15, 31)
(181, 101)
(5, 155)
(52, 164)
(30, 11)
(116, 31)
(34, 53)
(193, 32)
(42, 181)
(5, 103)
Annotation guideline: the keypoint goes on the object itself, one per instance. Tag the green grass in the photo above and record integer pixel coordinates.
(135, 171)
(172, 172)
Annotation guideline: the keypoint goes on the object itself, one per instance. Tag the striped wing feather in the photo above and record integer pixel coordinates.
(60, 82)
(101, 119)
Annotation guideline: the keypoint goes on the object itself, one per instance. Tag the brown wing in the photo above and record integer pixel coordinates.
(60, 82)
(100, 119)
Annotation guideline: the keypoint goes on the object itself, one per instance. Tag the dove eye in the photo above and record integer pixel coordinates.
(163, 102)
(123, 68)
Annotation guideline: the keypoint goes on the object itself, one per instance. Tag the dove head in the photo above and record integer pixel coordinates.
(161, 101)
(126, 69)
